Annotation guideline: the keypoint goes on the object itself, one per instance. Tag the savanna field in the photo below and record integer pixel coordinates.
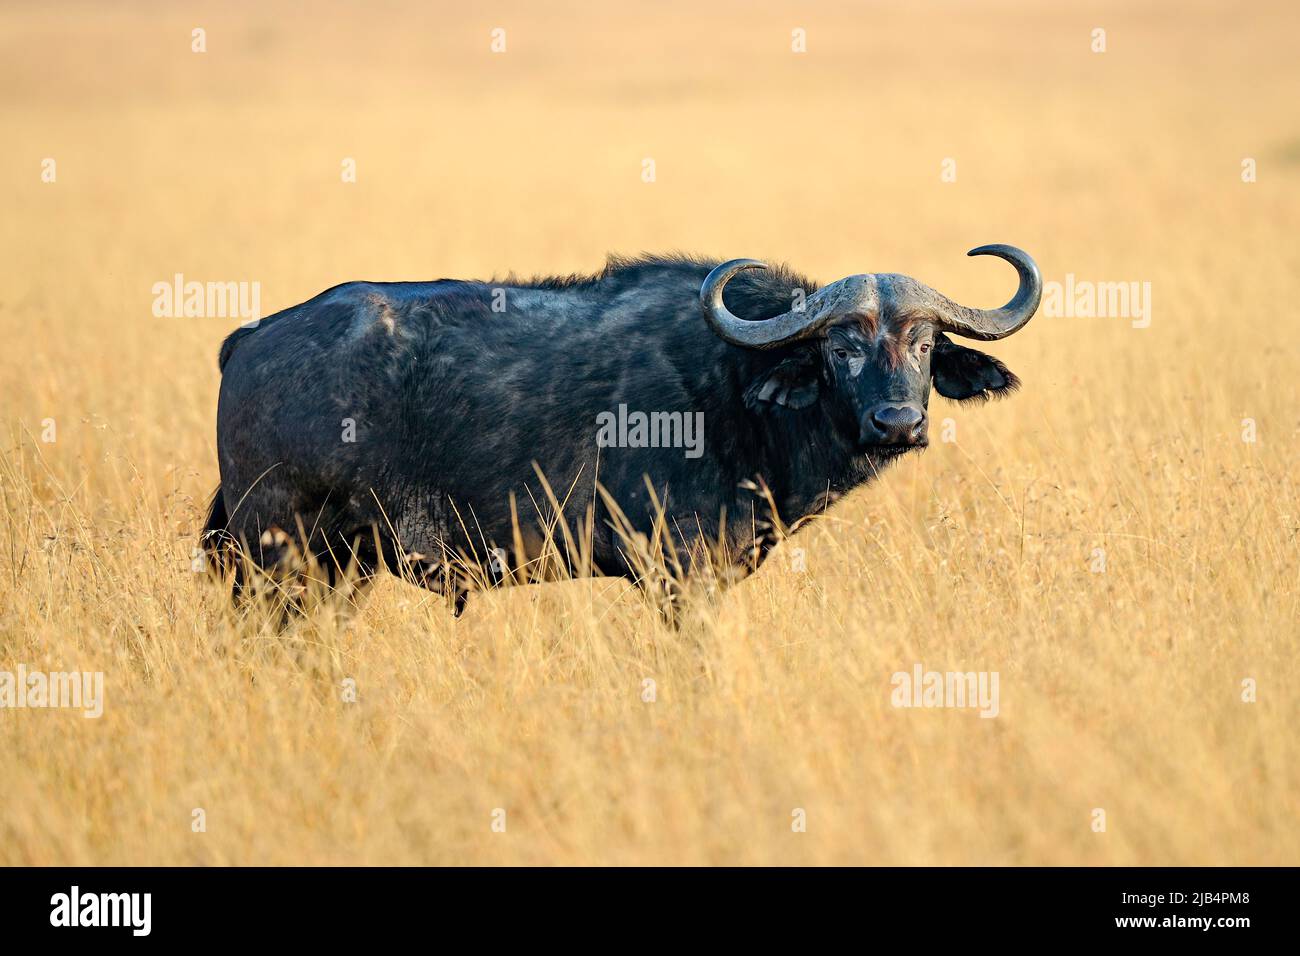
(1119, 540)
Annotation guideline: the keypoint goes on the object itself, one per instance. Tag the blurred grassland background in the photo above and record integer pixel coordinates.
(1119, 690)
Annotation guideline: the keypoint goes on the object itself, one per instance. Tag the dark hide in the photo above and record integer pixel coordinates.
(455, 394)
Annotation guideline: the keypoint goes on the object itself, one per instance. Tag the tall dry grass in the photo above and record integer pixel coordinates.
(1120, 690)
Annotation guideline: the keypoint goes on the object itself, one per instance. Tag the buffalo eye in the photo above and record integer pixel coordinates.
(925, 347)
(842, 353)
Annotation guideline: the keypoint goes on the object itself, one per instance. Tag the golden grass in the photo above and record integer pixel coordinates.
(1119, 690)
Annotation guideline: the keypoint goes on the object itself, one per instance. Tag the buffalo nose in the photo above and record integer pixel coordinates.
(896, 425)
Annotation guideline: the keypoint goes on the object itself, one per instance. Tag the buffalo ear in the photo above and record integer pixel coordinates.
(967, 375)
(793, 383)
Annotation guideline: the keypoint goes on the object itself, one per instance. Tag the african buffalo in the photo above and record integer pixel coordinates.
(443, 429)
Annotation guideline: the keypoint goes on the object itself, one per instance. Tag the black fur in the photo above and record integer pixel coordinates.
(456, 405)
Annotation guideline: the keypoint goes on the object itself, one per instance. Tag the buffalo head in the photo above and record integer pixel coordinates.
(868, 347)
